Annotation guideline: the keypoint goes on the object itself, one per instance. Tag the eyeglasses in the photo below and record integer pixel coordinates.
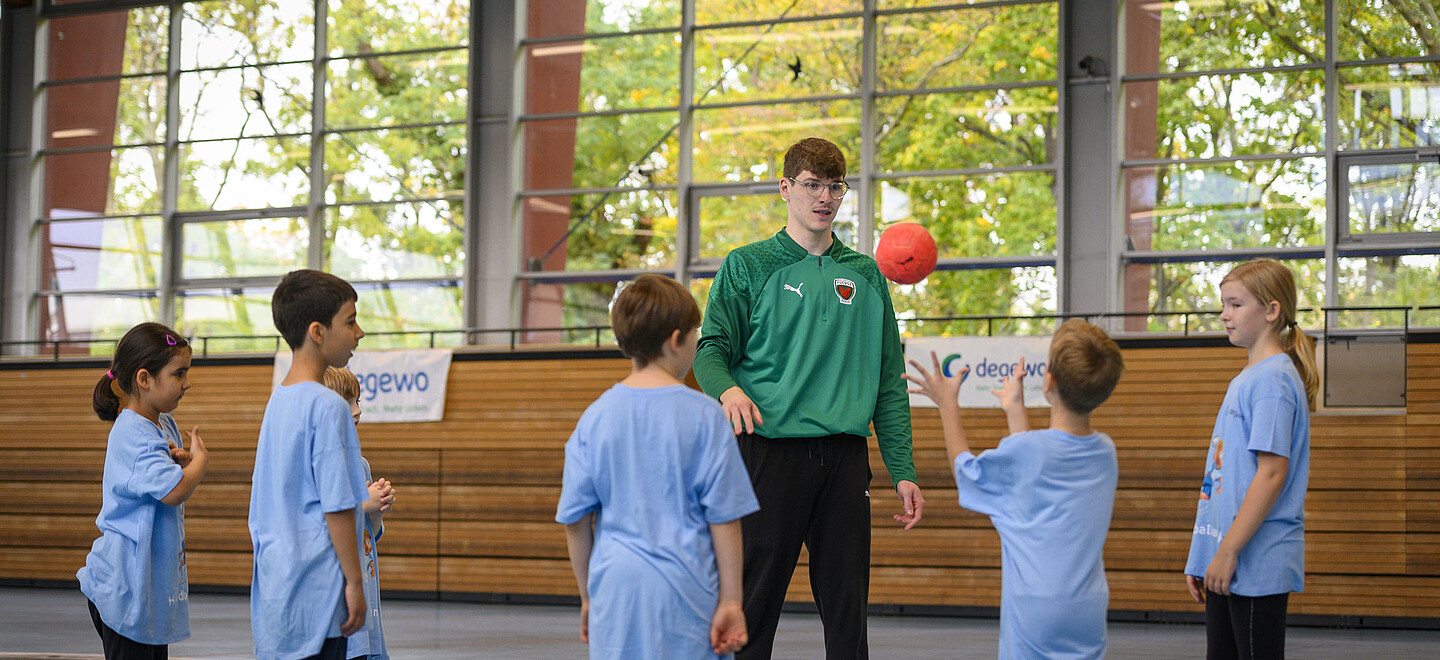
(813, 188)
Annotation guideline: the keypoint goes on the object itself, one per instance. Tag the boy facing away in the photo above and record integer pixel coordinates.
(306, 593)
(654, 490)
(1049, 494)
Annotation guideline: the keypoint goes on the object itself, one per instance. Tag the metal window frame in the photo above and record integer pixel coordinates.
(171, 284)
(1344, 238)
(1337, 242)
(865, 178)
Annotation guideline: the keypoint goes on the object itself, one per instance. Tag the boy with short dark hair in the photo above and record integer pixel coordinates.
(654, 488)
(1049, 494)
(306, 593)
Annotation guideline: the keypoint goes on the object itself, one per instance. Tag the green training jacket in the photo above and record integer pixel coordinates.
(812, 340)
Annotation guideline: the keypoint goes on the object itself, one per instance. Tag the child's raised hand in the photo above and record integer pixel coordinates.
(1012, 391)
(727, 629)
(936, 385)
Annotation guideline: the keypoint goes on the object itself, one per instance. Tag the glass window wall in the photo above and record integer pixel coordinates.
(325, 135)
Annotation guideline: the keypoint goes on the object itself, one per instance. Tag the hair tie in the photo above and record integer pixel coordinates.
(109, 375)
(169, 339)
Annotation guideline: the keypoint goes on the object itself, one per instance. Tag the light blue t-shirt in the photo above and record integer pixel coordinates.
(1265, 409)
(1049, 495)
(135, 572)
(307, 463)
(369, 642)
(659, 465)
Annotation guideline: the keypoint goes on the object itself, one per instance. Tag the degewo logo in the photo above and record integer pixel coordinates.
(982, 364)
(372, 384)
(400, 385)
(988, 369)
(945, 367)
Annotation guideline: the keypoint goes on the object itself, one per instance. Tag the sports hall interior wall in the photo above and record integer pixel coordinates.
(477, 491)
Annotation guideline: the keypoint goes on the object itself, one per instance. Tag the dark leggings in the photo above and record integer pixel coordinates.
(332, 649)
(1244, 627)
(120, 647)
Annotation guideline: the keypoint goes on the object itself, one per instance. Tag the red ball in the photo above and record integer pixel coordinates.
(906, 253)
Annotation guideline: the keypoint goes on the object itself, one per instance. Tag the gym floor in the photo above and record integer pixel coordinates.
(53, 624)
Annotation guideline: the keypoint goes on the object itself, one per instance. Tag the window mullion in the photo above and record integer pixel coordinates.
(315, 208)
(170, 235)
(1332, 169)
(687, 231)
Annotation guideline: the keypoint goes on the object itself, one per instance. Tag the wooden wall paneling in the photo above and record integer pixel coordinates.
(42, 563)
(496, 575)
(1422, 488)
(478, 490)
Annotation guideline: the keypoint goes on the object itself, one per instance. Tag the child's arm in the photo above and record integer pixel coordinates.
(1012, 401)
(342, 535)
(579, 538)
(192, 467)
(727, 627)
(945, 392)
(1270, 473)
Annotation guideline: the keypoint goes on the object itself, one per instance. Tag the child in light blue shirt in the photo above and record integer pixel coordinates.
(370, 641)
(1264, 411)
(135, 577)
(306, 592)
(1049, 494)
(654, 490)
(1247, 551)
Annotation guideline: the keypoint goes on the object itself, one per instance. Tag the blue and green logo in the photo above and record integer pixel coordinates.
(945, 366)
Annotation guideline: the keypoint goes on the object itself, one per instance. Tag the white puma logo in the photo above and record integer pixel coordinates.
(796, 289)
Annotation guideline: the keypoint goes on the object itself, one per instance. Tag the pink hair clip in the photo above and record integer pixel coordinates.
(169, 340)
(107, 373)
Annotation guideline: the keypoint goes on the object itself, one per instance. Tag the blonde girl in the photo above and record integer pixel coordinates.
(1248, 549)
(134, 577)
(369, 642)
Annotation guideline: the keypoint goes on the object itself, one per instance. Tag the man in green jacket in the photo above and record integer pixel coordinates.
(799, 330)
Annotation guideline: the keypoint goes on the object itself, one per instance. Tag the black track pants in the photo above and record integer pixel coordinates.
(120, 647)
(1244, 627)
(812, 491)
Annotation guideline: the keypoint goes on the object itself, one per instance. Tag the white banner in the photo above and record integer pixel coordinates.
(990, 359)
(395, 386)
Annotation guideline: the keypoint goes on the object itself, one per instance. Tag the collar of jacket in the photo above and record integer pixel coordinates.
(795, 249)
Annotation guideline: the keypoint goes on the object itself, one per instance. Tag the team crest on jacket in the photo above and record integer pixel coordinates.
(845, 289)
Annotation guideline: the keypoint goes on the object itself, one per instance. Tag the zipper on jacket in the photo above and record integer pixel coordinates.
(825, 308)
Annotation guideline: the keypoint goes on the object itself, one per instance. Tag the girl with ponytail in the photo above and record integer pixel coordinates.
(134, 577)
(1248, 549)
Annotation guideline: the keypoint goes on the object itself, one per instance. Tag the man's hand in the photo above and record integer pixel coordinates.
(743, 414)
(912, 501)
